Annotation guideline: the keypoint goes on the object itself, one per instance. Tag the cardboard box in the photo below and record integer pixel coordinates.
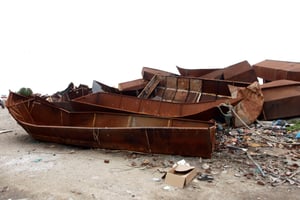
(180, 178)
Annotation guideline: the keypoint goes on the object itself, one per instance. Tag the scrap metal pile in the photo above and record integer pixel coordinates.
(163, 112)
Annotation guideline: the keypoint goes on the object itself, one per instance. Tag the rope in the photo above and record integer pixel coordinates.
(243, 122)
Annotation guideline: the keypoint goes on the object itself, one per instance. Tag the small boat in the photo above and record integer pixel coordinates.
(281, 99)
(46, 122)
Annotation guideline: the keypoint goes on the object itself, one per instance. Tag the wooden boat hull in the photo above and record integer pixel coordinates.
(46, 122)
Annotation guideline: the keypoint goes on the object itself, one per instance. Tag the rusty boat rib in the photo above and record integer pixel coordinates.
(46, 122)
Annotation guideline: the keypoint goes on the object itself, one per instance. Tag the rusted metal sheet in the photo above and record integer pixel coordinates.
(195, 72)
(69, 93)
(217, 74)
(205, 110)
(282, 99)
(46, 122)
(148, 73)
(192, 90)
(193, 98)
(271, 70)
(101, 87)
(249, 109)
(137, 84)
(241, 71)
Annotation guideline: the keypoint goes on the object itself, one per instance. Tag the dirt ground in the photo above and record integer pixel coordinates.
(35, 170)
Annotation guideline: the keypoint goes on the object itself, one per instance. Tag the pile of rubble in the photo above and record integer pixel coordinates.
(267, 151)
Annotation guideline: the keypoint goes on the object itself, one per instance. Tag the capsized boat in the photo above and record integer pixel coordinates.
(46, 122)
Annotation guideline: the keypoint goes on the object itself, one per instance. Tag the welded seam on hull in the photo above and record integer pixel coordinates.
(96, 134)
(61, 118)
(148, 143)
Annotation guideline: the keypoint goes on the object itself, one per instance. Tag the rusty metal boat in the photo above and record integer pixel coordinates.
(185, 97)
(46, 122)
(123, 103)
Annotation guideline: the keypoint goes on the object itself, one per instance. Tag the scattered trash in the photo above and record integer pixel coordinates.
(260, 182)
(106, 161)
(180, 174)
(37, 160)
(71, 152)
(168, 188)
(156, 179)
(205, 177)
(205, 166)
(4, 189)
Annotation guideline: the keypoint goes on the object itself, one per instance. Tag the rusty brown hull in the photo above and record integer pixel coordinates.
(137, 84)
(281, 99)
(114, 102)
(241, 71)
(46, 122)
(195, 72)
(271, 70)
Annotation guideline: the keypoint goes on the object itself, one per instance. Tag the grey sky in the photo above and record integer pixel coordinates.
(45, 45)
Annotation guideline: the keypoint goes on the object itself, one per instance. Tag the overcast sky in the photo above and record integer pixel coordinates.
(45, 45)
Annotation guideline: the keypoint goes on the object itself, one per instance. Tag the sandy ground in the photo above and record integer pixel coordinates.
(35, 170)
